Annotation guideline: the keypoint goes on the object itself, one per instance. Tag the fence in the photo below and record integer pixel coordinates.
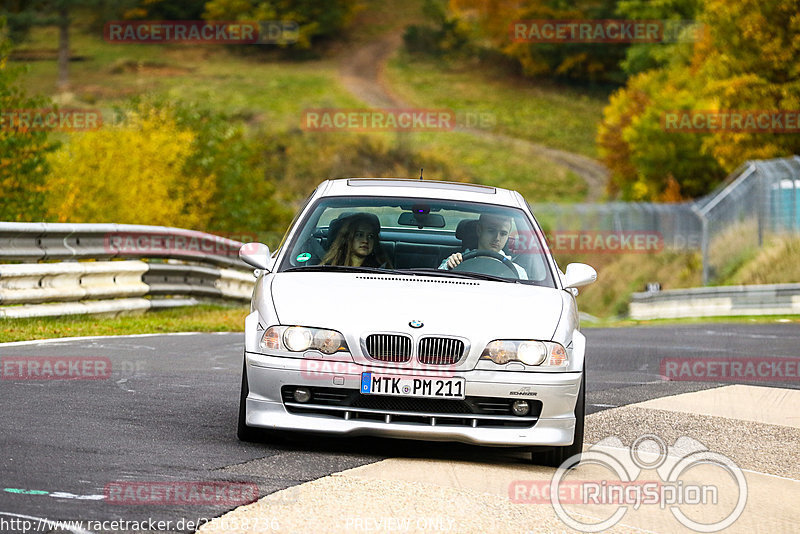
(759, 198)
(183, 265)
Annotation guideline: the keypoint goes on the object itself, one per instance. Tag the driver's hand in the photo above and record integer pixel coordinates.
(454, 260)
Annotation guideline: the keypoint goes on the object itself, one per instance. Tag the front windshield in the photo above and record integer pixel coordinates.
(419, 236)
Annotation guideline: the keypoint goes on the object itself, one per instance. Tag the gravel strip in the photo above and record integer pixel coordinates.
(755, 446)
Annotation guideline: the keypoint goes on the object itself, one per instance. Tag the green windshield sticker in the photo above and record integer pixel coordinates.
(305, 256)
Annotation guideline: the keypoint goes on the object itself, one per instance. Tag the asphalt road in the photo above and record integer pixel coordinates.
(167, 413)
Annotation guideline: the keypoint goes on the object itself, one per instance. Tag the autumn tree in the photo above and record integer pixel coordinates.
(680, 31)
(132, 172)
(743, 60)
(23, 164)
(488, 23)
(316, 19)
(749, 61)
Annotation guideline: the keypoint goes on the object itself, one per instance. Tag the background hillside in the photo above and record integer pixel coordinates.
(211, 137)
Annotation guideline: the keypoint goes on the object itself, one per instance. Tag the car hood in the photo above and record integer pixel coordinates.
(356, 303)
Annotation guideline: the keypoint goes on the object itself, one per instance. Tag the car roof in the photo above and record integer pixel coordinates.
(406, 187)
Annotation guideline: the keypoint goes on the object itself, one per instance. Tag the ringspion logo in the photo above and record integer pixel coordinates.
(688, 478)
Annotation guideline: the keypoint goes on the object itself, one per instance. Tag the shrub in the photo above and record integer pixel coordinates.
(130, 172)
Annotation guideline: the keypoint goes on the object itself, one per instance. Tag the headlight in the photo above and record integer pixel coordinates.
(328, 341)
(301, 338)
(529, 352)
(298, 338)
(501, 351)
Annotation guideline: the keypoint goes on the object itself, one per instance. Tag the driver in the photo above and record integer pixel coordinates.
(493, 233)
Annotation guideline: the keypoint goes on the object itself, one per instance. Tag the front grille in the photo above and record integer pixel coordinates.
(389, 347)
(440, 350)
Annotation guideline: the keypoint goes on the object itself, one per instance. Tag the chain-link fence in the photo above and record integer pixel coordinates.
(760, 198)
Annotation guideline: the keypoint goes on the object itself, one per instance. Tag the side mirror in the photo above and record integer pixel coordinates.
(578, 275)
(255, 254)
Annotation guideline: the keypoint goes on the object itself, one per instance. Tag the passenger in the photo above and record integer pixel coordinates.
(493, 231)
(357, 244)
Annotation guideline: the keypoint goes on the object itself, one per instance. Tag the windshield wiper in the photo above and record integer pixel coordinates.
(339, 268)
(458, 274)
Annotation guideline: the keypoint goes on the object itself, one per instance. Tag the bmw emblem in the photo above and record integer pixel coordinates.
(415, 324)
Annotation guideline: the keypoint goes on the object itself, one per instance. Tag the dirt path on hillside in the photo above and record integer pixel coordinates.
(361, 71)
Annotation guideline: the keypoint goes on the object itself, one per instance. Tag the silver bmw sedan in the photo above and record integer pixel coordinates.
(416, 309)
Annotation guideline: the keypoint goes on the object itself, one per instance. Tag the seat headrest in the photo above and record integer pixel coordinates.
(467, 232)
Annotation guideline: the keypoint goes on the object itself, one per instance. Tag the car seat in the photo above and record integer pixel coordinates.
(467, 232)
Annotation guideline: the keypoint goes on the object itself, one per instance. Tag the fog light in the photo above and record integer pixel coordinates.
(519, 407)
(302, 394)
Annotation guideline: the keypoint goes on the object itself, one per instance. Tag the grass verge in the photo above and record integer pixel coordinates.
(202, 318)
(735, 319)
(541, 112)
(256, 90)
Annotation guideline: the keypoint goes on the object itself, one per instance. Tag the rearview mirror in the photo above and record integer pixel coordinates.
(578, 275)
(255, 254)
(424, 220)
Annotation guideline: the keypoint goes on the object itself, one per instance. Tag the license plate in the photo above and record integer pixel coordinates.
(406, 386)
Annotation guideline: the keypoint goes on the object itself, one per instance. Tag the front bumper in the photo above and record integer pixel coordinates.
(552, 423)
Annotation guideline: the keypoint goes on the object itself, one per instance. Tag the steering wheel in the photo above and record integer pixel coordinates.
(475, 256)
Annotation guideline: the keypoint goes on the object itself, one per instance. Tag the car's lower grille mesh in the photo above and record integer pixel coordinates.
(440, 350)
(389, 347)
(351, 404)
(404, 404)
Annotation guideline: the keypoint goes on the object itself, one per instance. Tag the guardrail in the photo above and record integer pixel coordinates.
(189, 264)
(773, 299)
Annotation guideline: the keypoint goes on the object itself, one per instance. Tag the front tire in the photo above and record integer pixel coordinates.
(244, 432)
(556, 456)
